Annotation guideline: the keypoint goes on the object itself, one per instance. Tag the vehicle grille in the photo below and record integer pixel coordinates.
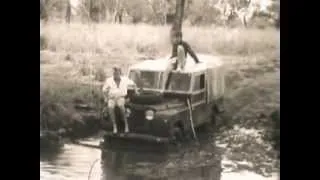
(139, 124)
(137, 117)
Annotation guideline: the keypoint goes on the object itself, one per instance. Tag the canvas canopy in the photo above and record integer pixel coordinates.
(212, 66)
(215, 83)
(161, 65)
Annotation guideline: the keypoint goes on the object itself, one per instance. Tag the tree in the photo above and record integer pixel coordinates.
(177, 24)
(201, 12)
(159, 9)
(245, 10)
(68, 12)
(118, 10)
(43, 10)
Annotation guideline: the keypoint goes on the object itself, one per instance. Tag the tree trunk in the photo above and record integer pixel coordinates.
(43, 10)
(118, 11)
(68, 13)
(93, 11)
(179, 15)
(118, 17)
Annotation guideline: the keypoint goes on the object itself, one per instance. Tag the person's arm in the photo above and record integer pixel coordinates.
(105, 89)
(191, 52)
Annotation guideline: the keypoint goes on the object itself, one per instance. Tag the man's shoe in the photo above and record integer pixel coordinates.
(115, 130)
(126, 130)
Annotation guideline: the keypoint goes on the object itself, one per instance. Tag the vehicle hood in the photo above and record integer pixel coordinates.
(166, 107)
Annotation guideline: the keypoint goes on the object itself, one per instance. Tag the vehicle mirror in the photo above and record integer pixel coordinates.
(137, 77)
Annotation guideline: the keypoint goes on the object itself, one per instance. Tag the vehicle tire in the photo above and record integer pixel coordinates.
(214, 115)
(219, 106)
(178, 135)
(147, 98)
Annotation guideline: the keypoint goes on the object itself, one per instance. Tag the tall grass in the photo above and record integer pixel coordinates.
(142, 38)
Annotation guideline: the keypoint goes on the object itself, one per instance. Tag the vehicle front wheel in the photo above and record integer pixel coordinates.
(177, 134)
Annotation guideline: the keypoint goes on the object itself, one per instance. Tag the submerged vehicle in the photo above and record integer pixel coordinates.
(150, 166)
(193, 97)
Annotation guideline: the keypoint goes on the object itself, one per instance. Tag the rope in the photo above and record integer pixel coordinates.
(191, 120)
(92, 165)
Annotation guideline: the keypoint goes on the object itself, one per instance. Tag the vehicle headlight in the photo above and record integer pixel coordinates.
(149, 115)
(128, 112)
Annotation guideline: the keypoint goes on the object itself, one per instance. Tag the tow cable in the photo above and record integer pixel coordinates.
(191, 119)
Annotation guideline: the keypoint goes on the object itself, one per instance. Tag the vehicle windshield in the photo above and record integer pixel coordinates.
(145, 79)
(153, 80)
(179, 82)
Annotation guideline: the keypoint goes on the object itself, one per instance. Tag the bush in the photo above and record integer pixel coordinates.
(100, 74)
(58, 100)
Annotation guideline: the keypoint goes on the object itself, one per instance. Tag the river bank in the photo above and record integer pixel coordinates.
(76, 59)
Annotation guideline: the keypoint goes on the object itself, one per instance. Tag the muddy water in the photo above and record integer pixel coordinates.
(71, 162)
(76, 162)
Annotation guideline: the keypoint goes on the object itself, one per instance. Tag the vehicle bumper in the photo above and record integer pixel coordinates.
(136, 142)
(137, 136)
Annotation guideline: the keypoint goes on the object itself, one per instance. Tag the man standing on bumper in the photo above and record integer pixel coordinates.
(115, 91)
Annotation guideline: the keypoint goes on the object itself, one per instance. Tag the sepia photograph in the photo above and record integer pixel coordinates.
(159, 89)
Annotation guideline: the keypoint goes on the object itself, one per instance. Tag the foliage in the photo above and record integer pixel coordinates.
(202, 13)
(143, 11)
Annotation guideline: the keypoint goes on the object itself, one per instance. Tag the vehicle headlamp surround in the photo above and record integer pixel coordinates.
(149, 114)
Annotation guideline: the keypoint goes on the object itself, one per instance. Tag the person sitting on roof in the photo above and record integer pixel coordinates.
(177, 61)
(115, 92)
(180, 49)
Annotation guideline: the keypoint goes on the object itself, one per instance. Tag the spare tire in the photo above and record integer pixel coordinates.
(147, 98)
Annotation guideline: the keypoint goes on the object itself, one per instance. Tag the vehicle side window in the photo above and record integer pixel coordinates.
(199, 82)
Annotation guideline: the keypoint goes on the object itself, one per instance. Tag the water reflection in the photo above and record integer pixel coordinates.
(124, 165)
(72, 162)
(127, 165)
(76, 162)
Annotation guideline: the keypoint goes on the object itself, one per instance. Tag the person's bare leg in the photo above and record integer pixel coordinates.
(111, 105)
(120, 104)
(166, 74)
(181, 57)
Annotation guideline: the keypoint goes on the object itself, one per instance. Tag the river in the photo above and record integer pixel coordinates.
(77, 162)
(71, 162)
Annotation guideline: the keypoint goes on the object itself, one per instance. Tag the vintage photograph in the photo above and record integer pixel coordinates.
(159, 89)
